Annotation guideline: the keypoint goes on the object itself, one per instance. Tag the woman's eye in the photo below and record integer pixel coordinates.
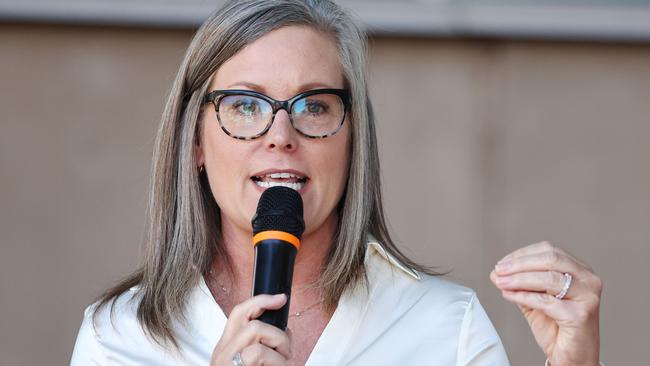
(246, 107)
(316, 108)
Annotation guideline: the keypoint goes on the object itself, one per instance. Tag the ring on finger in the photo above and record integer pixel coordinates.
(237, 361)
(567, 284)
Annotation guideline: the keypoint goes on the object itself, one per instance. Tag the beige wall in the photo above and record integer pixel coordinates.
(486, 146)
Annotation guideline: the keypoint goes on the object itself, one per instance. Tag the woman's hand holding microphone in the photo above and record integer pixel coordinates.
(250, 342)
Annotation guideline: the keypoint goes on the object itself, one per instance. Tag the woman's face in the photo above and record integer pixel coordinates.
(281, 64)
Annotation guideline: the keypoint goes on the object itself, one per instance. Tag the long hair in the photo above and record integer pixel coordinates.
(183, 220)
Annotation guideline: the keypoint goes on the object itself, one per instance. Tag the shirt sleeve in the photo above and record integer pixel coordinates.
(87, 348)
(479, 344)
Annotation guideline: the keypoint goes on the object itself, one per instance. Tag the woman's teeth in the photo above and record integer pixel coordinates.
(282, 176)
(283, 179)
(295, 186)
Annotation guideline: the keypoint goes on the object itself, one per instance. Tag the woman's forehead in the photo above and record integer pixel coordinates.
(285, 59)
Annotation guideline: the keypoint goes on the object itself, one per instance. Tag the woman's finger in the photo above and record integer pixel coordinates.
(259, 354)
(549, 282)
(546, 303)
(546, 261)
(536, 248)
(256, 305)
(268, 335)
(539, 248)
(251, 309)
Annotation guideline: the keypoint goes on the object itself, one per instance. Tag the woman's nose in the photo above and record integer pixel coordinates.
(281, 135)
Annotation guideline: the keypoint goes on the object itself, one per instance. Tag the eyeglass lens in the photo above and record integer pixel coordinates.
(314, 115)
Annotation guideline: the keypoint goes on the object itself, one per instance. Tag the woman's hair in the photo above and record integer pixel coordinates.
(183, 222)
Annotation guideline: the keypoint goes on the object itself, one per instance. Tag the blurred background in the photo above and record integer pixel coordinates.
(501, 124)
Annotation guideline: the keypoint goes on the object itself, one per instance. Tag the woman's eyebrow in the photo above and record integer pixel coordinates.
(300, 89)
(246, 85)
(315, 85)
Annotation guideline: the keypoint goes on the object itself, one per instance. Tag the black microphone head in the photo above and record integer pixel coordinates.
(279, 208)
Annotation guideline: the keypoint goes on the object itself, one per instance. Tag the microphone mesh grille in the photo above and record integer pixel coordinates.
(279, 208)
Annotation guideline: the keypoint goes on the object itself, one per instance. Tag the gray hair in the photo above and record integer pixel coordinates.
(183, 229)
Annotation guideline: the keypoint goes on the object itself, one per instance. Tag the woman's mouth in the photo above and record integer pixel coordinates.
(281, 179)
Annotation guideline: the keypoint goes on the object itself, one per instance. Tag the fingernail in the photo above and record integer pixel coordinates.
(503, 280)
(500, 267)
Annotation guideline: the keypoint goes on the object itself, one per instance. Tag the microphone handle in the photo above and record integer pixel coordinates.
(273, 273)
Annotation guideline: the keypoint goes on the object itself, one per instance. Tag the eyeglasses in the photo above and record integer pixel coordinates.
(247, 115)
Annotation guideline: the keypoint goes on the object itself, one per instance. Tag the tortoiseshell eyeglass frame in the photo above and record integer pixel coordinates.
(216, 96)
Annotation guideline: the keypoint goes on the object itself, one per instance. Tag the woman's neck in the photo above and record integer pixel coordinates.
(310, 259)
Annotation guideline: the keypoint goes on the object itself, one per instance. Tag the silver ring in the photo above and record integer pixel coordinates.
(567, 284)
(236, 360)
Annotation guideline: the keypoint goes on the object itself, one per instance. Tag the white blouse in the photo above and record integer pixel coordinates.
(406, 318)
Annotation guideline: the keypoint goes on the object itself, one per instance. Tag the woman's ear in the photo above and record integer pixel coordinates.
(198, 154)
(198, 151)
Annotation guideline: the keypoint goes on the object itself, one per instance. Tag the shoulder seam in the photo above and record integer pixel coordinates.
(89, 312)
(464, 324)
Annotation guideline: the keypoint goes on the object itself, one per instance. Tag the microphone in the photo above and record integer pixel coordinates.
(277, 227)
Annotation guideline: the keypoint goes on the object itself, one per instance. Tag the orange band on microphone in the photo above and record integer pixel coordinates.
(279, 235)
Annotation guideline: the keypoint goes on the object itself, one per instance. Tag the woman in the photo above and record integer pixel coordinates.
(226, 135)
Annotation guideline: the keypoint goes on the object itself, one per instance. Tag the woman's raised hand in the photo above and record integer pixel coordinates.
(256, 342)
(560, 297)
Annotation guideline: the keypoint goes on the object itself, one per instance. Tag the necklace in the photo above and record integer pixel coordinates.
(296, 314)
(300, 312)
